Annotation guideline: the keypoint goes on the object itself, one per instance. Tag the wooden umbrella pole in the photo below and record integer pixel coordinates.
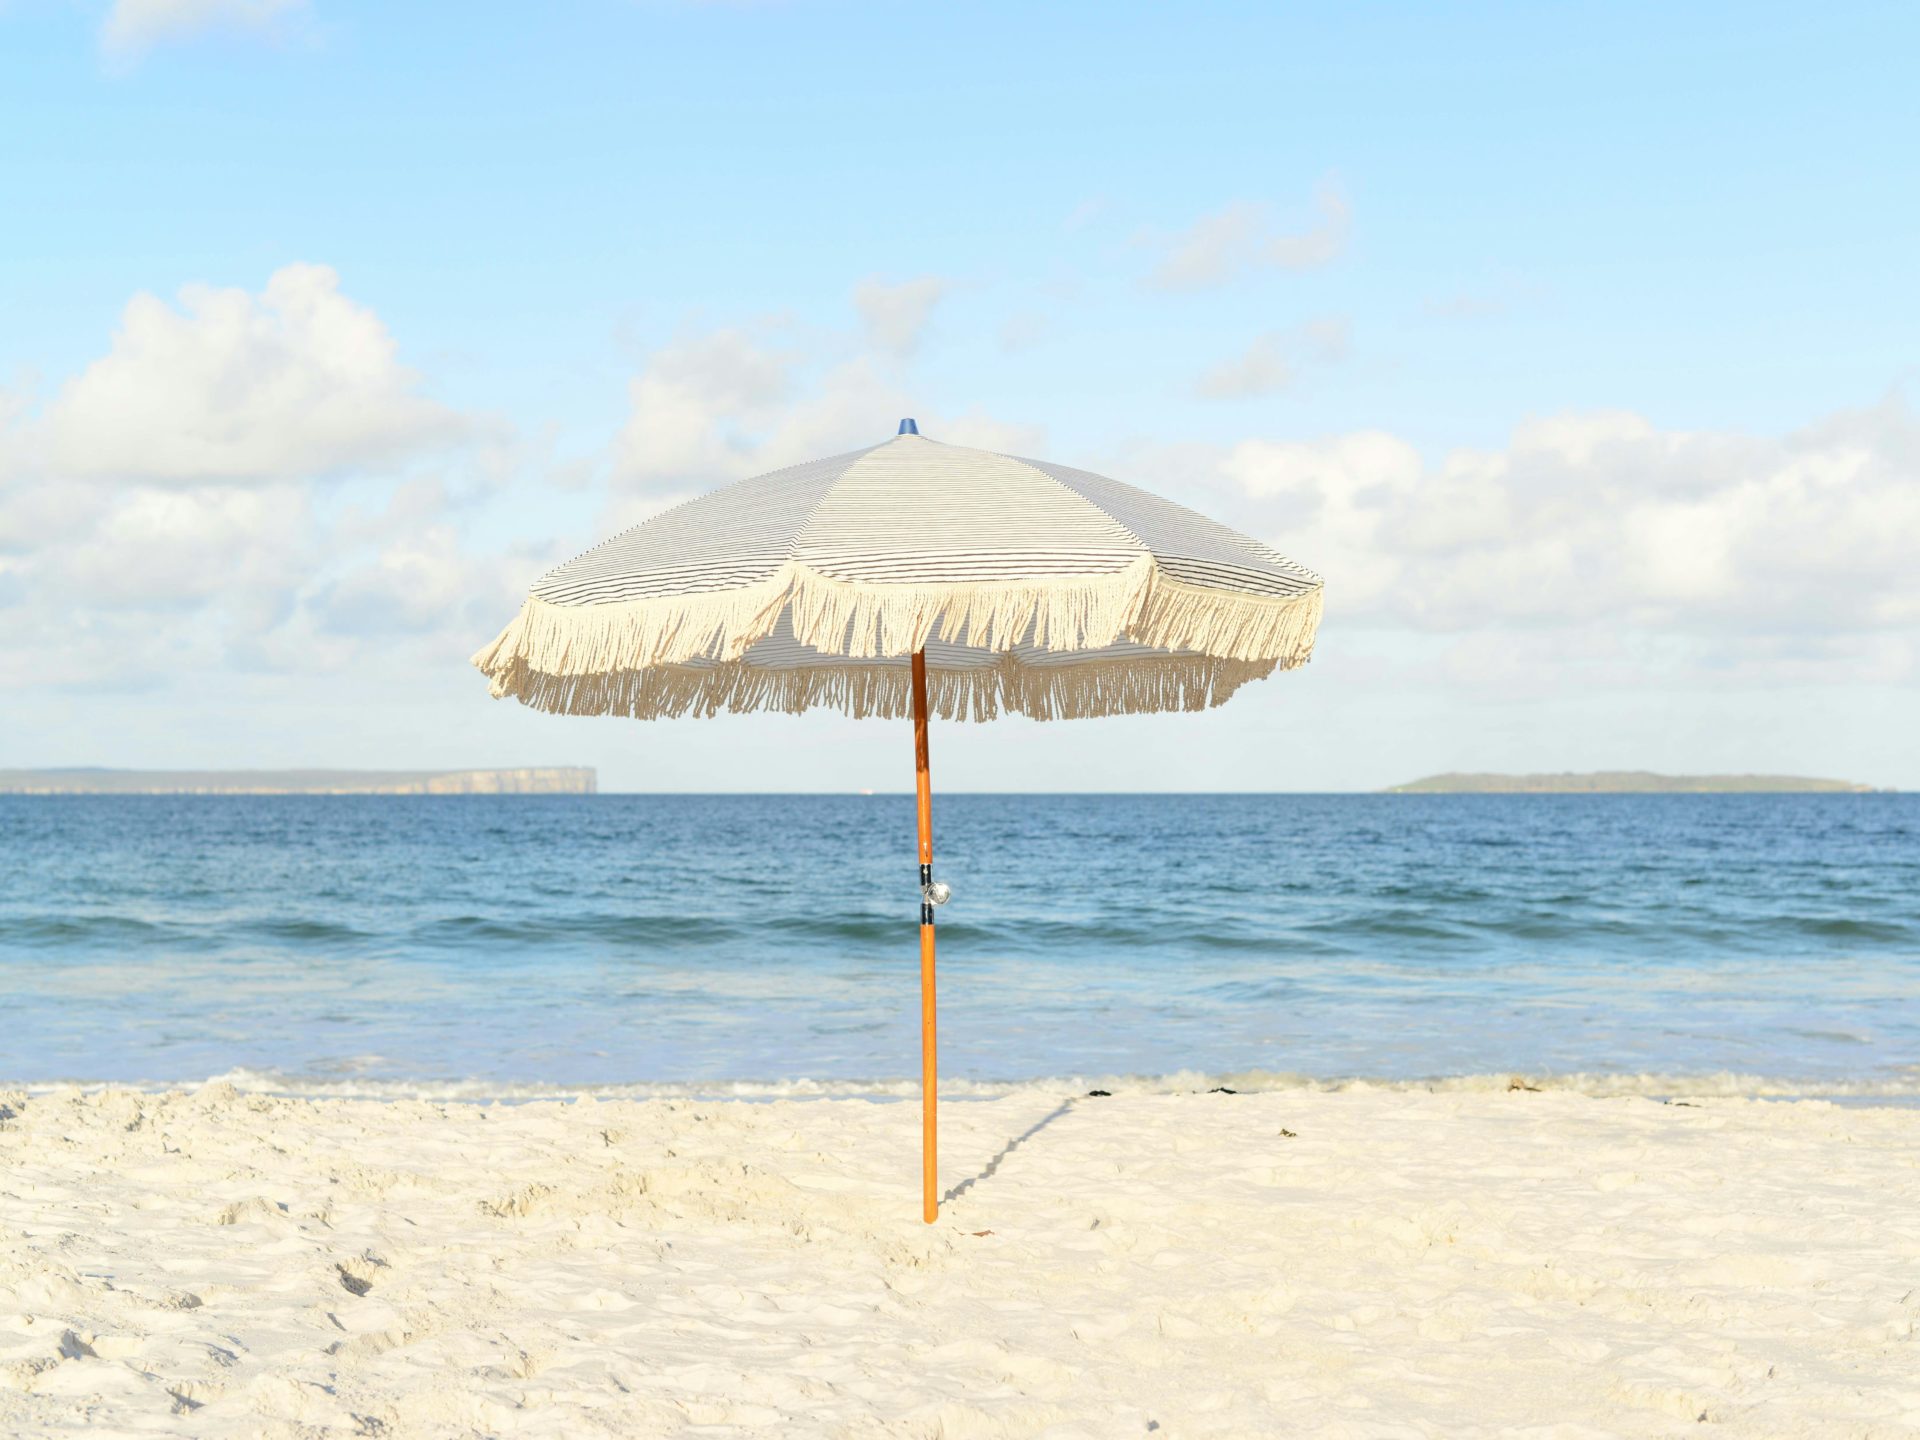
(929, 1090)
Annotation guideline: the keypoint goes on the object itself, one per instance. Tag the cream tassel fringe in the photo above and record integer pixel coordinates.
(679, 654)
(1129, 686)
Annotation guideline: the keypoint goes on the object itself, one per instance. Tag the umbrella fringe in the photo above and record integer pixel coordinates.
(1229, 625)
(1131, 685)
(666, 655)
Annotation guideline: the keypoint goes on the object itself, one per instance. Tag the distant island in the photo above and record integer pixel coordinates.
(547, 780)
(1624, 782)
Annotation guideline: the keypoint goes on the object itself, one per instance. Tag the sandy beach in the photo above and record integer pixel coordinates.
(1367, 1262)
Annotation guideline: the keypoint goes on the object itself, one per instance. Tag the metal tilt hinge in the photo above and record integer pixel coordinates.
(932, 892)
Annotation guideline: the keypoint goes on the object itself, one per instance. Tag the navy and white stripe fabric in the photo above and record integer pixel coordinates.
(1033, 587)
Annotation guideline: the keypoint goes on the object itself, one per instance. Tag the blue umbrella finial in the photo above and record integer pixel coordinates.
(907, 427)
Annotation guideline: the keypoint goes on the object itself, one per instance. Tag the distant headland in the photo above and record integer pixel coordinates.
(1624, 782)
(545, 780)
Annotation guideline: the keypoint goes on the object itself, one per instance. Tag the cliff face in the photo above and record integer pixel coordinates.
(543, 780)
(550, 780)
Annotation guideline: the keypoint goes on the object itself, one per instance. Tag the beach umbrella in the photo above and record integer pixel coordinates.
(911, 578)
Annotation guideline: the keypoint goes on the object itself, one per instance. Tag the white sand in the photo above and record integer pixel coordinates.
(219, 1264)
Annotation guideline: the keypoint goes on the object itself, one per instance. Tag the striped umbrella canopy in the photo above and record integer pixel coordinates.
(919, 578)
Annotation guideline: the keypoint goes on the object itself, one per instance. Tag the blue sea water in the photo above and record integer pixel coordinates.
(520, 944)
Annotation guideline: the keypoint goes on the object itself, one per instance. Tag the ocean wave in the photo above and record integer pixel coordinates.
(1398, 931)
(82, 929)
(1903, 1087)
(663, 931)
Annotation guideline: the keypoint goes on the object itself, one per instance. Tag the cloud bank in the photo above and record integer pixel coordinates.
(256, 481)
(230, 386)
(1771, 557)
(205, 493)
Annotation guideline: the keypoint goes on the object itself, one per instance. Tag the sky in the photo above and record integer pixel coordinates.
(1575, 345)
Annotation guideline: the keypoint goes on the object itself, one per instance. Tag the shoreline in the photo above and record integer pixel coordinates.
(1903, 1090)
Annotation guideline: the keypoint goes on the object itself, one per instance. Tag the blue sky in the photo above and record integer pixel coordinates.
(1574, 344)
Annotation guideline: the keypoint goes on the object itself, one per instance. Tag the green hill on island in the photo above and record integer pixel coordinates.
(1622, 782)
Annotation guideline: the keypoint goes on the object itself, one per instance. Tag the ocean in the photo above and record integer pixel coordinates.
(767, 944)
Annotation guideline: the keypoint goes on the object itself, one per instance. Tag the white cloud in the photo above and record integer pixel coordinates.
(130, 586)
(1320, 242)
(1607, 523)
(711, 408)
(1267, 366)
(232, 386)
(1326, 497)
(132, 27)
(213, 492)
(693, 407)
(428, 581)
(1214, 249)
(1243, 235)
(896, 316)
(120, 586)
(155, 550)
(1261, 369)
(252, 485)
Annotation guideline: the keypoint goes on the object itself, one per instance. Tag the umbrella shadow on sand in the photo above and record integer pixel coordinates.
(988, 1171)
